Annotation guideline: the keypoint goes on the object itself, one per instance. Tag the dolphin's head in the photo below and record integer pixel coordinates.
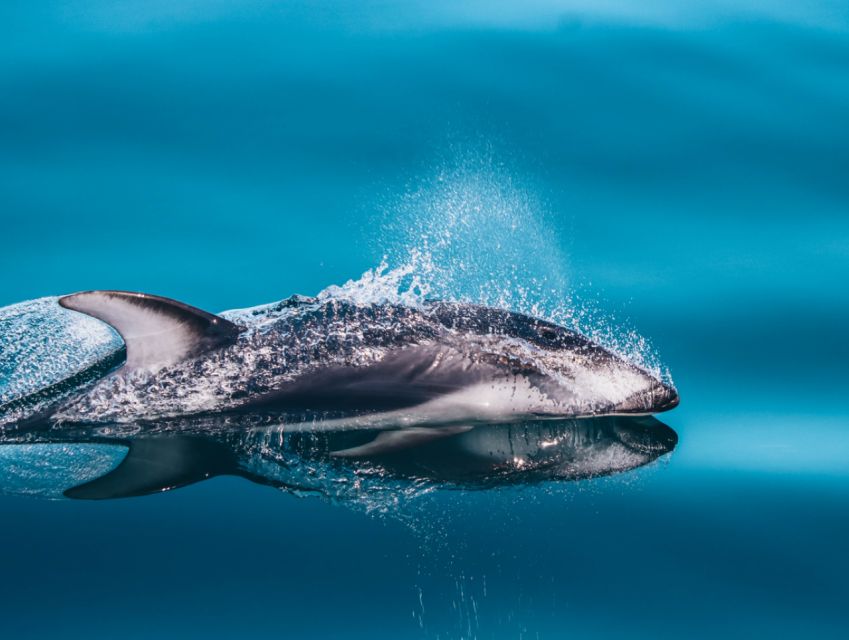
(582, 372)
(573, 374)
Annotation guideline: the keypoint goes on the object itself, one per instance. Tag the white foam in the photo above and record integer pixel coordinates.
(42, 344)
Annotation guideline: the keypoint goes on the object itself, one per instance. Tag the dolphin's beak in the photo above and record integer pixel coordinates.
(665, 397)
(656, 397)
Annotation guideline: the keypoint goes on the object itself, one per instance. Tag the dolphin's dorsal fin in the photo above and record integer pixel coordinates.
(157, 464)
(157, 331)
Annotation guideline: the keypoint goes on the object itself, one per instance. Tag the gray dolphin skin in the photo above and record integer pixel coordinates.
(122, 460)
(438, 364)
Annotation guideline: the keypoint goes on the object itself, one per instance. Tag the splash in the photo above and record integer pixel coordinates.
(470, 232)
(473, 232)
(410, 283)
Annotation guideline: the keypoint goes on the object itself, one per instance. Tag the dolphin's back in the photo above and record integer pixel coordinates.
(335, 354)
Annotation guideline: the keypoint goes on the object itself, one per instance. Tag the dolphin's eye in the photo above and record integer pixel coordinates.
(546, 335)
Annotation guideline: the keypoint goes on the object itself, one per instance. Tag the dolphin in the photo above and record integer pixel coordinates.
(437, 364)
(100, 462)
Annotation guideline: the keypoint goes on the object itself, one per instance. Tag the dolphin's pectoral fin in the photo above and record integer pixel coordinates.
(403, 378)
(157, 331)
(388, 442)
(158, 464)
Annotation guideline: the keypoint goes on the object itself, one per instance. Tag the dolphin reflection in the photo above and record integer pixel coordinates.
(120, 461)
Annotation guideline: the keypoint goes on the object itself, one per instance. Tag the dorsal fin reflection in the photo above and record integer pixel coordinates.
(159, 464)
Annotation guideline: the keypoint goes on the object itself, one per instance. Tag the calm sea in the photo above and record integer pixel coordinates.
(673, 171)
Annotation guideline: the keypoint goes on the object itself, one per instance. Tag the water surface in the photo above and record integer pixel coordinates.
(671, 179)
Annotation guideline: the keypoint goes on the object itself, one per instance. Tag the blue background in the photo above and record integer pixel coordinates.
(681, 167)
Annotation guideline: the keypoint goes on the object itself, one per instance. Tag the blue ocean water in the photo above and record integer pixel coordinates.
(675, 172)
